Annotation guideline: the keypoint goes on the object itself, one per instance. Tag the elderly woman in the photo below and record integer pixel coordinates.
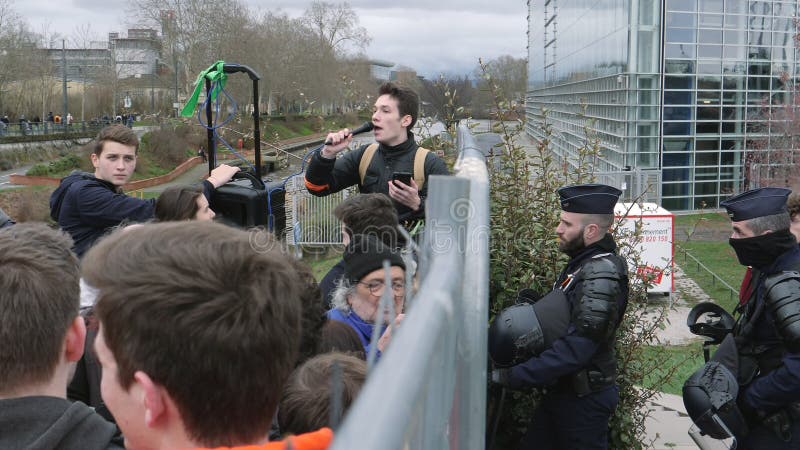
(356, 301)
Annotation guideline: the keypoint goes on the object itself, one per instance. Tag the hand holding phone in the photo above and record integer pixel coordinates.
(403, 177)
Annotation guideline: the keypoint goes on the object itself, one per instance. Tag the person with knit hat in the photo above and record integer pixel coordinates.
(357, 298)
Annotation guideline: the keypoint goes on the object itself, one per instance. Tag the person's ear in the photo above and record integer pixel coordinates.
(406, 120)
(75, 340)
(95, 160)
(591, 231)
(154, 398)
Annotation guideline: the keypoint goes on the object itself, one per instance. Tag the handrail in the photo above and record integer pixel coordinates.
(734, 293)
(429, 389)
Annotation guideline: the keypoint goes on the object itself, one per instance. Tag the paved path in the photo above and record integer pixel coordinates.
(4, 183)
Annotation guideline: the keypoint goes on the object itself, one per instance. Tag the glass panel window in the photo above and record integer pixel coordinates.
(685, 20)
(708, 97)
(710, 37)
(709, 82)
(706, 159)
(731, 128)
(709, 51)
(758, 83)
(678, 82)
(677, 145)
(734, 67)
(677, 113)
(677, 128)
(735, 22)
(710, 20)
(760, 23)
(681, 5)
(675, 203)
(678, 97)
(714, 6)
(732, 113)
(681, 35)
(679, 51)
(706, 145)
(707, 128)
(729, 145)
(706, 202)
(735, 6)
(708, 113)
(736, 37)
(712, 67)
(679, 66)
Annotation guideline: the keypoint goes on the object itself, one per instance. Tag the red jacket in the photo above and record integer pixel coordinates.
(316, 440)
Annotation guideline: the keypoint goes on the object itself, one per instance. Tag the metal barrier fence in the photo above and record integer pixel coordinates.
(429, 389)
(47, 128)
(310, 219)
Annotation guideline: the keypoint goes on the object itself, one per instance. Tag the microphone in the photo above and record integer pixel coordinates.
(363, 128)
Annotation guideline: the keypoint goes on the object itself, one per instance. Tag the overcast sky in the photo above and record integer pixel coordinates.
(431, 36)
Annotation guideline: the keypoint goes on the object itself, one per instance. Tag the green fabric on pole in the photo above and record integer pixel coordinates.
(215, 72)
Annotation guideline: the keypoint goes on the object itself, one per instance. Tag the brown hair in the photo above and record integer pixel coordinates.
(212, 320)
(305, 404)
(793, 204)
(39, 299)
(115, 133)
(178, 203)
(340, 337)
(407, 100)
(370, 214)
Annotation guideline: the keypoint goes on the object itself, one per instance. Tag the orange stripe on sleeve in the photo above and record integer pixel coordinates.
(315, 187)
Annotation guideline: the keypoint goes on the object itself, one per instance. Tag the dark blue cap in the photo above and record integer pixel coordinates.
(754, 203)
(589, 198)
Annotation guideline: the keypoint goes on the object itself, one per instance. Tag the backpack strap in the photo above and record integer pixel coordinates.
(419, 166)
(366, 159)
(419, 163)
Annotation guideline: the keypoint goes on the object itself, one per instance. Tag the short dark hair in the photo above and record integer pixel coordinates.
(198, 309)
(39, 299)
(178, 203)
(370, 214)
(603, 221)
(793, 204)
(407, 100)
(305, 404)
(115, 133)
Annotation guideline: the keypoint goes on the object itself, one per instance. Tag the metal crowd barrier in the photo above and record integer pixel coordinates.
(310, 219)
(429, 389)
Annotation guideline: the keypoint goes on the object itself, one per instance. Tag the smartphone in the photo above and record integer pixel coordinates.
(403, 177)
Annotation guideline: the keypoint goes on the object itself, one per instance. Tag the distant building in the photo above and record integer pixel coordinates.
(404, 74)
(673, 89)
(380, 70)
(136, 54)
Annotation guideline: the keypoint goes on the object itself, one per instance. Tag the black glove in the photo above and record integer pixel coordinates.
(501, 376)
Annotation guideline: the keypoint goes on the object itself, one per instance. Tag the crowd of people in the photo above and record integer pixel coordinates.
(149, 325)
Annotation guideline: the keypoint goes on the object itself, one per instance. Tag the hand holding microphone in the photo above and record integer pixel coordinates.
(338, 141)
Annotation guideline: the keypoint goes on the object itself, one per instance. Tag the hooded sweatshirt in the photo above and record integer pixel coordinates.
(49, 423)
(87, 208)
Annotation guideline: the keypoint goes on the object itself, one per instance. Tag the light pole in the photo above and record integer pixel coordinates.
(64, 82)
(153, 88)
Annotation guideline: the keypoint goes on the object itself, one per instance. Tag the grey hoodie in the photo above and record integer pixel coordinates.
(50, 423)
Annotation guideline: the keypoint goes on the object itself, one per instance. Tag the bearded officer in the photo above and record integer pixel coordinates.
(767, 331)
(578, 371)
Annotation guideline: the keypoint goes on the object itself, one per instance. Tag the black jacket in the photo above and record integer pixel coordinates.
(325, 176)
(87, 208)
(49, 423)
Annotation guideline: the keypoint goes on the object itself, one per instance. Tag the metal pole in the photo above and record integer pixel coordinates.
(64, 82)
(153, 88)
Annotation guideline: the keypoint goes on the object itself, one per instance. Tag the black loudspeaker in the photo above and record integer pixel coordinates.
(242, 201)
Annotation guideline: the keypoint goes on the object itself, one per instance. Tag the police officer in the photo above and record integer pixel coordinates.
(578, 371)
(767, 331)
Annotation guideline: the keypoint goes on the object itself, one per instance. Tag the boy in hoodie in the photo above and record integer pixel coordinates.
(198, 333)
(41, 336)
(87, 205)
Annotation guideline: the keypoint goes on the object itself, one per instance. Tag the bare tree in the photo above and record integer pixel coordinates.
(337, 27)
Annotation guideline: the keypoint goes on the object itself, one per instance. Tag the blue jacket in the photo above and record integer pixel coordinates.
(780, 386)
(87, 208)
(572, 352)
(363, 329)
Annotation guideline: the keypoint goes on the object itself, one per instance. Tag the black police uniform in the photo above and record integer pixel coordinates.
(769, 372)
(579, 369)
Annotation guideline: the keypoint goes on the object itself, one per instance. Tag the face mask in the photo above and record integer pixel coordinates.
(761, 251)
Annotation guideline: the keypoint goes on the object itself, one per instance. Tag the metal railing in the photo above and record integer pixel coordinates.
(57, 130)
(310, 219)
(429, 389)
(732, 292)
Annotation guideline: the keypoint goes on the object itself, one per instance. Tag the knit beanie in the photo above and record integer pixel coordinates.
(365, 254)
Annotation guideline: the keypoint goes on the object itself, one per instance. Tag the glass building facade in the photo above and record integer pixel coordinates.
(680, 87)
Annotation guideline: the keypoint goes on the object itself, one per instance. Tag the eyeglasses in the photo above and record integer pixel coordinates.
(376, 286)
